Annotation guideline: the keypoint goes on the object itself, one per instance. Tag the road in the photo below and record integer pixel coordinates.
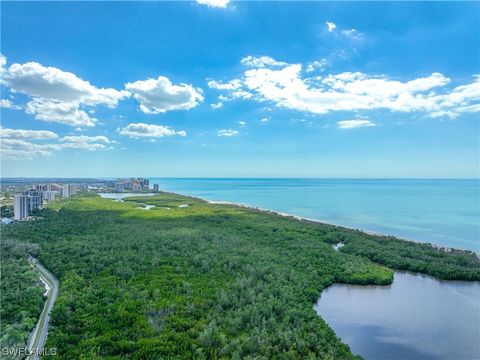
(39, 334)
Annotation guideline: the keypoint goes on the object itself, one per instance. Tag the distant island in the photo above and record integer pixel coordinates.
(191, 279)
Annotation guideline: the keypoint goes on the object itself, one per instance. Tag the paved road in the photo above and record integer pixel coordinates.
(39, 334)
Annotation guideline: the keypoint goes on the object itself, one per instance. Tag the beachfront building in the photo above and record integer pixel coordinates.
(132, 184)
(119, 186)
(156, 188)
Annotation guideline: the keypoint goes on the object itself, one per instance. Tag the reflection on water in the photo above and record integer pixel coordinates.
(417, 317)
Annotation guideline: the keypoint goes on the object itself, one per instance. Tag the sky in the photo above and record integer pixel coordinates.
(213, 88)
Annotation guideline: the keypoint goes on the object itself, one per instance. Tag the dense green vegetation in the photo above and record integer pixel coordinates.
(21, 295)
(206, 281)
(6, 211)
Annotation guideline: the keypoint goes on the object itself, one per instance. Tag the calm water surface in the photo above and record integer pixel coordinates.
(445, 212)
(417, 317)
(119, 196)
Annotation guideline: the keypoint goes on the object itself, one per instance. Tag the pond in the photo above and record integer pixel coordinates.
(417, 317)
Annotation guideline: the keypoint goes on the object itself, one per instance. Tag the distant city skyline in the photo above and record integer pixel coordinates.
(240, 89)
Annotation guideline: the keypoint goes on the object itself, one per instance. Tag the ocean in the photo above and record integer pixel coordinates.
(443, 212)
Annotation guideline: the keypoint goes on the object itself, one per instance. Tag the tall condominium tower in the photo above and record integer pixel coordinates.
(20, 207)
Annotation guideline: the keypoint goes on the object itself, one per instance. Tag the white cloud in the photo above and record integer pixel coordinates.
(352, 124)
(7, 104)
(214, 3)
(21, 149)
(160, 95)
(331, 26)
(141, 130)
(3, 62)
(59, 112)
(54, 84)
(13, 144)
(287, 87)
(20, 134)
(227, 132)
(261, 62)
(264, 120)
(216, 105)
(316, 65)
(57, 95)
(242, 123)
(231, 85)
(86, 139)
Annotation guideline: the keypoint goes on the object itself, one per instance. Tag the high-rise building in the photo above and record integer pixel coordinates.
(49, 195)
(156, 188)
(35, 199)
(41, 187)
(119, 186)
(20, 207)
(68, 190)
(54, 187)
(136, 187)
(48, 187)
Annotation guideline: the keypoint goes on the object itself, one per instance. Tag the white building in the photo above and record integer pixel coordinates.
(21, 207)
(49, 195)
(69, 190)
(119, 186)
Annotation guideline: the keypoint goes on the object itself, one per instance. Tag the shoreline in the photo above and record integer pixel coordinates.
(312, 220)
(316, 221)
(323, 222)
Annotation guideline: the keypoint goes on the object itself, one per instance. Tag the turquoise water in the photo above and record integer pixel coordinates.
(444, 212)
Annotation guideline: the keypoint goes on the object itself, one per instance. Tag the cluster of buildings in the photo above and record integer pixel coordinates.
(27, 201)
(132, 184)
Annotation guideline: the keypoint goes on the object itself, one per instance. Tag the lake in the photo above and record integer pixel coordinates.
(417, 317)
(444, 212)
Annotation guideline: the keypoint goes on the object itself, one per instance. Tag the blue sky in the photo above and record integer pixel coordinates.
(240, 89)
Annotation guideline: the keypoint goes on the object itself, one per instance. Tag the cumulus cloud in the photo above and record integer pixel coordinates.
(59, 112)
(242, 123)
(86, 139)
(57, 95)
(21, 149)
(287, 86)
(160, 95)
(54, 84)
(142, 130)
(214, 3)
(20, 134)
(14, 144)
(227, 132)
(352, 124)
(330, 26)
(264, 120)
(7, 104)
